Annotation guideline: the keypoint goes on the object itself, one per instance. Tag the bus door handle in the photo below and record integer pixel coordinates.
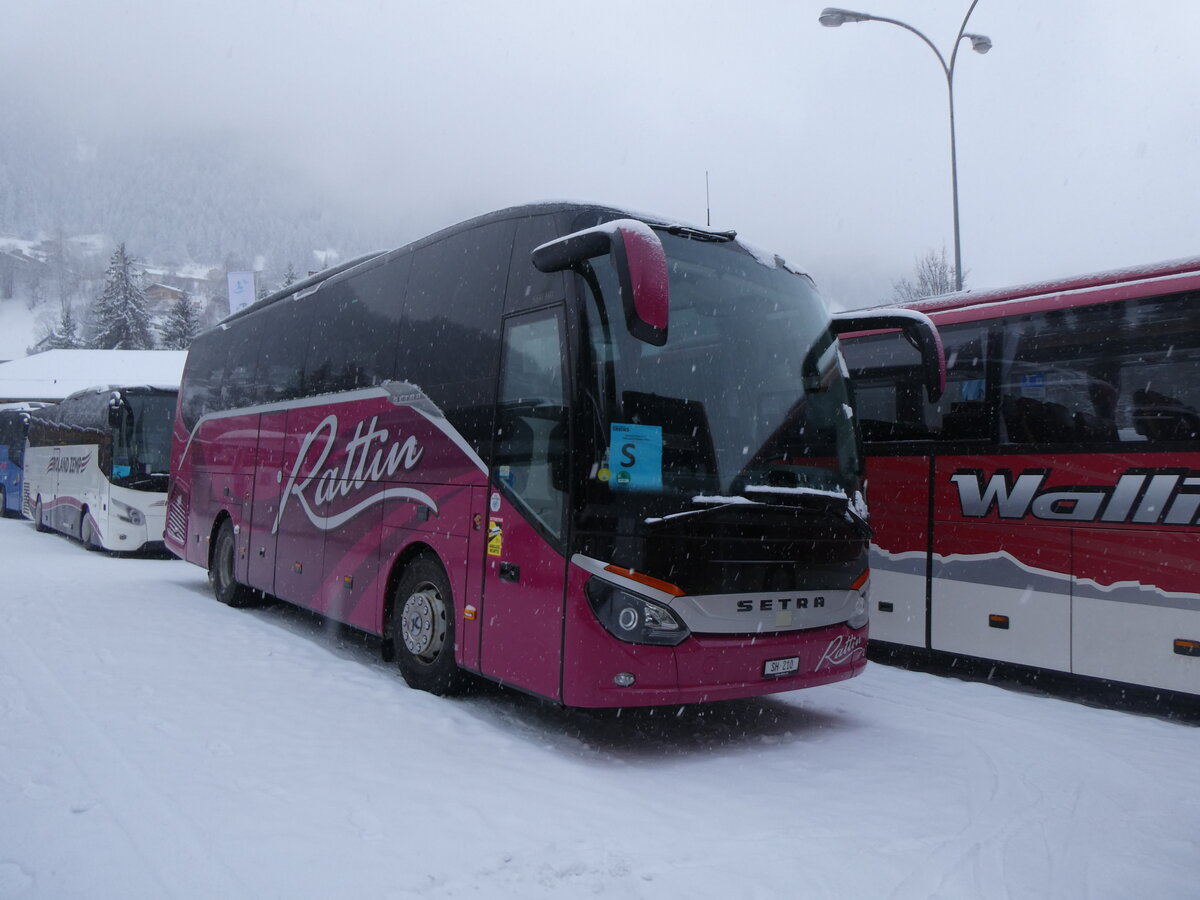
(510, 572)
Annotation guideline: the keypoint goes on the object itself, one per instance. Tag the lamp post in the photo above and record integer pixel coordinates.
(832, 17)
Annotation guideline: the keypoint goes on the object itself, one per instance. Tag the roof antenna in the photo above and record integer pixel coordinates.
(707, 203)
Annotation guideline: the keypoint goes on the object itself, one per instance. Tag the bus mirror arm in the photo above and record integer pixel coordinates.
(916, 327)
(640, 262)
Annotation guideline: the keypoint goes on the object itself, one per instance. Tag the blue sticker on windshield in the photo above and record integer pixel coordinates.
(635, 457)
(121, 471)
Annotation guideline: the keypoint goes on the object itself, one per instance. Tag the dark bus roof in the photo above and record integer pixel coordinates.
(512, 212)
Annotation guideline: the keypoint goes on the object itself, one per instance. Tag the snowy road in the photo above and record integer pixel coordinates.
(155, 744)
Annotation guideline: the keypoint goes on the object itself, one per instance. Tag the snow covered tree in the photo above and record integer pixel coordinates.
(120, 319)
(934, 277)
(289, 277)
(65, 334)
(181, 325)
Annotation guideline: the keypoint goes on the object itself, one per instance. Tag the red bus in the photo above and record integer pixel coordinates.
(486, 448)
(1044, 511)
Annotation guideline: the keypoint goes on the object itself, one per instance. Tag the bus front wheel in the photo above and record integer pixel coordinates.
(87, 533)
(39, 516)
(221, 569)
(421, 628)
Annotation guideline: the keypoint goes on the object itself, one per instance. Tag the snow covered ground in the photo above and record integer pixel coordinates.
(155, 744)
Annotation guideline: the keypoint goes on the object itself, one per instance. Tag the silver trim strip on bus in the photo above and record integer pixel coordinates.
(749, 613)
(400, 393)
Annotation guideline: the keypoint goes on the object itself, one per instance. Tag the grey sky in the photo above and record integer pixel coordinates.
(1079, 134)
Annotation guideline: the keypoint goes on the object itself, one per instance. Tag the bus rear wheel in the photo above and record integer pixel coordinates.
(421, 628)
(3, 502)
(221, 570)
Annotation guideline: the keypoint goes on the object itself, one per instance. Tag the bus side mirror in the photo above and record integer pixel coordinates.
(114, 409)
(917, 327)
(641, 263)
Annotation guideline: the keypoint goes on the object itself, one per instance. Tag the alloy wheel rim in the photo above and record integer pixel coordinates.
(422, 623)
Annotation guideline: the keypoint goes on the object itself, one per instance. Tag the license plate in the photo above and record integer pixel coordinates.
(781, 666)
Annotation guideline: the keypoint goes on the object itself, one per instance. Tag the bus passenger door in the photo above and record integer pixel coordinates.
(525, 572)
(268, 488)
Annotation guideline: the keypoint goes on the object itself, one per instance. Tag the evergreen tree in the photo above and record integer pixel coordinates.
(120, 320)
(65, 335)
(289, 277)
(181, 326)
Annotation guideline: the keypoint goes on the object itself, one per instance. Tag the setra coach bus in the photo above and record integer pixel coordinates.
(604, 459)
(1045, 512)
(97, 465)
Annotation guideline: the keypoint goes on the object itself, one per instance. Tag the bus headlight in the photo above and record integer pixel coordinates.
(861, 612)
(632, 618)
(127, 513)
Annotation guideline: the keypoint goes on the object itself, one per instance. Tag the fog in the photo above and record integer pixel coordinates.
(1078, 133)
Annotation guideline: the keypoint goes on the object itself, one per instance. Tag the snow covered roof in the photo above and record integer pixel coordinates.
(56, 374)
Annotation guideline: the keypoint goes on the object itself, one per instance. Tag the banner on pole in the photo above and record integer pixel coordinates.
(241, 290)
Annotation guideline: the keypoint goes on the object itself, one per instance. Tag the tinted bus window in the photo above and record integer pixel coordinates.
(238, 385)
(281, 364)
(528, 287)
(1114, 372)
(355, 329)
(202, 377)
(890, 396)
(450, 342)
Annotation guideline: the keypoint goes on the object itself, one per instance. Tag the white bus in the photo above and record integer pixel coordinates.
(97, 464)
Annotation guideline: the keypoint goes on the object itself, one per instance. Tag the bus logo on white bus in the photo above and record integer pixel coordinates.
(1139, 497)
(68, 465)
(369, 458)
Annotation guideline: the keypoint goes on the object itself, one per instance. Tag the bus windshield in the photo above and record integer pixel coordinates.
(721, 411)
(142, 441)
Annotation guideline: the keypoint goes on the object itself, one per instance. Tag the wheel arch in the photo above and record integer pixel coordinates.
(223, 515)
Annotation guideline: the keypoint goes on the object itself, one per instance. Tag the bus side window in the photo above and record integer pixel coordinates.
(204, 372)
(356, 328)
(238, 386)
(889, 392)
(531, 421)
(280, 372)
(450, 335)
(1125, 372)
(528, 287)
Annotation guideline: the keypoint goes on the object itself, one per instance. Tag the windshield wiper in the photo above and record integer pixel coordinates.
(698, 234)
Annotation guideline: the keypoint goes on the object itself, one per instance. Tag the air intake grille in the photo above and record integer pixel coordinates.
(177, 517)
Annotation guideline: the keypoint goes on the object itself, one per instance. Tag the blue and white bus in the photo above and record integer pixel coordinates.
(96, 466)
(13, 422)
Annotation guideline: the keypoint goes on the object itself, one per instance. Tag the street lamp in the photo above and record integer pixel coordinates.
(832, 17)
